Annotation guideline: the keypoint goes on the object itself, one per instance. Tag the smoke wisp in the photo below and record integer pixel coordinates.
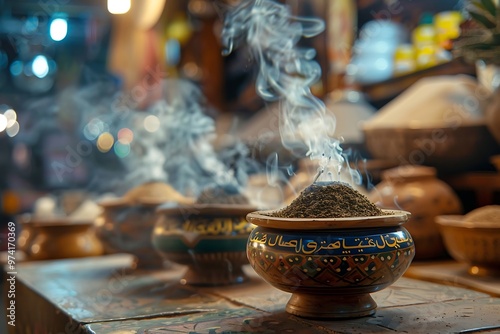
(286, 73)
(172, 141)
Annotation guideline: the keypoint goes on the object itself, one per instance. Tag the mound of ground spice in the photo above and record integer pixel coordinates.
(329, 200)
(484, 215)
(222, 194)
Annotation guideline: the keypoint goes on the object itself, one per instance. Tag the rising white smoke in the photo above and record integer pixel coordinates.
(286, 73)
(179, 151)
(191, 162)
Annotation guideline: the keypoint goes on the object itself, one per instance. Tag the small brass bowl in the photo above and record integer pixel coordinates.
(476, 244)
(58, 237)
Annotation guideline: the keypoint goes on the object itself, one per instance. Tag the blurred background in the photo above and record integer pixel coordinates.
(110, 108)
(59, 59)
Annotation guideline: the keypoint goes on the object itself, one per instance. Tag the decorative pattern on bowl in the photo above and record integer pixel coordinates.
(330, 265)
(209, 238)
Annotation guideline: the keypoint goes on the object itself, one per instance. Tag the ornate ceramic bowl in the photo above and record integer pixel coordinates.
(209, 238)
(476, 244)
(330, 265)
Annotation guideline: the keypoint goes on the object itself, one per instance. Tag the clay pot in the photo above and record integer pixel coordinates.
(209, 238)
(330, 265)
(126, 223)
(418, 190)
(59, 238)
(127, 228)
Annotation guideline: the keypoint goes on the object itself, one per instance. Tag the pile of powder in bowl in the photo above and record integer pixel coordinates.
(488, 215)
(329, 200)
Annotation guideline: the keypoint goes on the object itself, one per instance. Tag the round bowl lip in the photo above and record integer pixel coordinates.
(56, 221)
(425, 126)
(111, 203)
(458, 221)
(392, 218)
(205, 209)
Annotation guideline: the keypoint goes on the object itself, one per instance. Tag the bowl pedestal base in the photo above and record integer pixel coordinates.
(214, 276)
(332, 306)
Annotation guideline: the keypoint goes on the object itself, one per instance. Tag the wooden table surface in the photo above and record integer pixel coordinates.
(101, 295)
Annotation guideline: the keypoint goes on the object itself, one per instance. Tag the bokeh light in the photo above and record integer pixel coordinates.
(11, 116)
(125, 136)
(121, 149)
(105, 142)
(13, 129)
(118, 6)
(11, 202)
(3, 122)
(40, 66)
(16, 68)
(151, 123)
(31, 24)
(58, 29)
(94, 128)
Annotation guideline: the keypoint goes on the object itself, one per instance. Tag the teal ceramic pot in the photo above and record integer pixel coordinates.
(330, 265)
(209, 239)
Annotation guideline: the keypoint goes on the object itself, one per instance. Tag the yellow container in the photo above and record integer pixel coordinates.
(423, 35)
(447, 27)
(404, 59)
(426, 56)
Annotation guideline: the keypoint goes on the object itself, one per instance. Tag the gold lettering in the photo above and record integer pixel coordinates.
(392, 244)
(258, 237)
(275, 240)
(381, 246)
(313, 247)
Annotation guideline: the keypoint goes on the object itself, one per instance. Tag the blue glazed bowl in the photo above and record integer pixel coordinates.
(330, 265)
(209, 239)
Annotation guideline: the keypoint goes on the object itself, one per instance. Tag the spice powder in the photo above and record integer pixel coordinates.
(329, 200)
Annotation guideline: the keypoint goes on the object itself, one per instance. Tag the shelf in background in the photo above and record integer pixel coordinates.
(380, 93)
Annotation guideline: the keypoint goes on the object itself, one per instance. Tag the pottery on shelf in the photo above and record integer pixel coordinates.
(210, 239)
(330, 265)
(418, 190)
(58, 238)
